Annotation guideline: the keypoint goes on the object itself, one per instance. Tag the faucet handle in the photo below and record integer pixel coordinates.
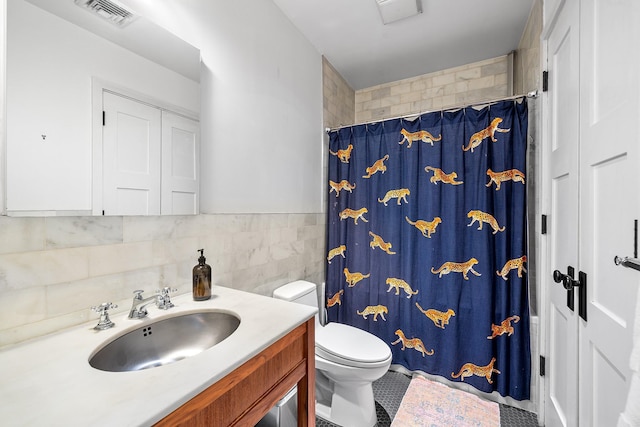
(103, 307)
(164, 300)
(137, 294)
(103, 310)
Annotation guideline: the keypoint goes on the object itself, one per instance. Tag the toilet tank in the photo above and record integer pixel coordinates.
(300, 291)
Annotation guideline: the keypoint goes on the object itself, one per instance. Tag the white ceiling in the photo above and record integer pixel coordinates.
(449, 33)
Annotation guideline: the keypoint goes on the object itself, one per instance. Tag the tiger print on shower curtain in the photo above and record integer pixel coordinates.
(427, 245)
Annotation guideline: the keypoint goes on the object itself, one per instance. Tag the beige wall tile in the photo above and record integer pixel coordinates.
(442, 89)
(23, 306)
(363, 96)
(501, 79)
(423, 105)
(180, 249)
(364, 116)
(400, 109)
(55, 288)
(421, 85)
(495, 68)
(69, 232)
(380, 93)
(389, 101)
(21, 234)
(482, 82)
(119, 258)
(372, 105)
(401, 88)
(468, 74)
(380, 113)
(433, 92)
(25, 270)
(444, 79)
(339, 98)
(410, 97)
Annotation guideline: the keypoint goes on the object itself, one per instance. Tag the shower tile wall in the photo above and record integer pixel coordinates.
(467, 84)
(338, 98)
(53, 269)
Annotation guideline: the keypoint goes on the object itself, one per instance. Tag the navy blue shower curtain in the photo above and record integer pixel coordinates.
(427, 245)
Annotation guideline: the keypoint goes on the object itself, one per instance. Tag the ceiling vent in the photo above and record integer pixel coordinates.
(395, 10)
(110, 10)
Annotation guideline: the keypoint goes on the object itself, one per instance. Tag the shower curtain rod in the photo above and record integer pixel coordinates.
(531, 94)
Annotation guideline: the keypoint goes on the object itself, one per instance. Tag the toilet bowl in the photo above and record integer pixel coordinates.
(348, 360)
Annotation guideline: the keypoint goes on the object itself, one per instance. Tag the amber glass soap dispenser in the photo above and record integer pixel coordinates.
(201, 279)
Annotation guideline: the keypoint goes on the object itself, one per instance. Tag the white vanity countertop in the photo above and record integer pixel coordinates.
(49, 382)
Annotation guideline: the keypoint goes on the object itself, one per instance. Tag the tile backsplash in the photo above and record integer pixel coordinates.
(52, 270)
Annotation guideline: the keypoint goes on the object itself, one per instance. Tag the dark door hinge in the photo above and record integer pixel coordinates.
(543, 225)
(103, 212)
(543, 367)
(103, 118)
(545, 81)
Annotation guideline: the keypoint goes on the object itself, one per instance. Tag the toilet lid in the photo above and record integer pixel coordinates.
(346, 343)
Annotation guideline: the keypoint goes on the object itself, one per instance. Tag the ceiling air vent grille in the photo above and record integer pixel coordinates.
(109, 10)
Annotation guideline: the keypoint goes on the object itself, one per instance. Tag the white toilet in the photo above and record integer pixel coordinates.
(348, 360)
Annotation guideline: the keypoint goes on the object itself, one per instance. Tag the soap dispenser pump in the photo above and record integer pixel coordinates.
(201, 279)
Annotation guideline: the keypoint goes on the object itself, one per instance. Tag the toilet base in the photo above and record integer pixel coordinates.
(352, 405)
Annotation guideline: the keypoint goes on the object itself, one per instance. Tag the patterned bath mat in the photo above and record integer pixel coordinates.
(431, 404)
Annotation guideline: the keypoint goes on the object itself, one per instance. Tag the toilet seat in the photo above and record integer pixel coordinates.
(351, 346)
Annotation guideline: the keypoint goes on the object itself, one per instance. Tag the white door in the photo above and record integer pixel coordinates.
(594, 192)
(609, 193)
(180, 164)
(561, 389)
(131, 157)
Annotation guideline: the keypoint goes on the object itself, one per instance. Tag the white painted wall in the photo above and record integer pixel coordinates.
(50, 63)
(261, 113)
(3, 105)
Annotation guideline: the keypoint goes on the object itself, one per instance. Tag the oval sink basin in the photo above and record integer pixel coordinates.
(165, 341)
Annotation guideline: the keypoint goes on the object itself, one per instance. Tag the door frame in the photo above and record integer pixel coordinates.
(544, 207)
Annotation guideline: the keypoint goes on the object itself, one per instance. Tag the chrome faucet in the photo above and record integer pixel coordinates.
(139, 305)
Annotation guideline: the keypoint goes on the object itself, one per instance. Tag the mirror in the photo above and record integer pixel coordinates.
(55, 50)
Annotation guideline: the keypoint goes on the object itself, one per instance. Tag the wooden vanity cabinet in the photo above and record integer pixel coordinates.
(245, 395)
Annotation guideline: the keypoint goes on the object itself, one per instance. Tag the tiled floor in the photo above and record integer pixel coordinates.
(388, 392)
